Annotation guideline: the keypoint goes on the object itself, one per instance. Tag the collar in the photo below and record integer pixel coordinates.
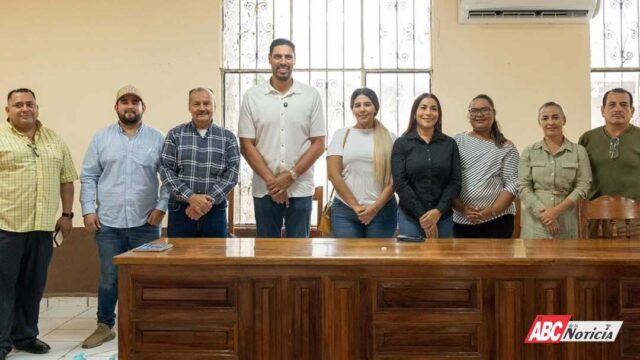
(18, 133)
(294, 89)
(193, 126)
(629, 129)
(414, 135)
(566, 145)
(121, 130)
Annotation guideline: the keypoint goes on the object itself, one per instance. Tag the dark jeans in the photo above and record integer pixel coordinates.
(270, 215)
(211, 224)
(409, 226)
(345, 222)
(24, 259)
(111, 242)
(499, 228)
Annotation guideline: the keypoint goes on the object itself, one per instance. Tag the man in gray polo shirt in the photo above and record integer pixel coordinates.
(282, 134)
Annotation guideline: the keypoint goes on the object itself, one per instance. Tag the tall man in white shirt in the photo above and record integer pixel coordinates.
(122, 200)
(282, 134)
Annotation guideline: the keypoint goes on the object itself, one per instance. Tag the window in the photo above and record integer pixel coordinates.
(615, 54)
(341, 45)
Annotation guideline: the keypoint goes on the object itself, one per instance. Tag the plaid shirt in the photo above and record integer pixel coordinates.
(192, 163)
(30, 178)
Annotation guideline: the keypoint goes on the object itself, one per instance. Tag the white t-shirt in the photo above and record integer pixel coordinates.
(357, 163)
(281, 126)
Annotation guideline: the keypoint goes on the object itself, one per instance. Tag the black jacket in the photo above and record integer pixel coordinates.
(426, 176)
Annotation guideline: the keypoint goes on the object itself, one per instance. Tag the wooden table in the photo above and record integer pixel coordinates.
(373, 299)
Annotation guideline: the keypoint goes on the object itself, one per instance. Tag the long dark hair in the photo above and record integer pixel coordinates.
(496, 134)
(413, 123)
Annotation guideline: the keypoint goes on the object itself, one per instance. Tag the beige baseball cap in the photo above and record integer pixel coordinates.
(129, 90)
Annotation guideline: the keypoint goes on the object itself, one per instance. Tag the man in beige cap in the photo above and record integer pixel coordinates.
(121, 196)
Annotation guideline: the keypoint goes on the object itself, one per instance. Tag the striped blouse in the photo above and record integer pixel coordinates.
(487, 170)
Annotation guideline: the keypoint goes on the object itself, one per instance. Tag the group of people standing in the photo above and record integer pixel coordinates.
(465, 186)
(132, 175)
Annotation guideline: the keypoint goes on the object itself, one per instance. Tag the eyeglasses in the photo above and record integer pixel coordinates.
(34, 149)
(484, 111)
(614, 143)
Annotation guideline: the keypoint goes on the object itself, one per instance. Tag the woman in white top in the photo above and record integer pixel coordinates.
(359, 167)
(485, 208)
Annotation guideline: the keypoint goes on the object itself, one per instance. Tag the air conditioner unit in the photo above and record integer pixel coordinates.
(527, 11)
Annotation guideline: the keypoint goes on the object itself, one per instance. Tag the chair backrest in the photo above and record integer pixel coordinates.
(516, 220)
(606, 210)
(231, 228)
(318, 197)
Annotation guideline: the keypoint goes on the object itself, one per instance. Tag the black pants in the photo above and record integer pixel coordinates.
(499, 228)
(24, 259)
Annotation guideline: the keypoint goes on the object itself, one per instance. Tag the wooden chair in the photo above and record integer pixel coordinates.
(607, 210)
(231, 227)
(318, 197)
(516, 220)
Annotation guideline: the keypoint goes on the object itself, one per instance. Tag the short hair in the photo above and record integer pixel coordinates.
(198, 89)
(368, 93)
(20, 90)
(617, 91)
(282, 41)
(549, 104)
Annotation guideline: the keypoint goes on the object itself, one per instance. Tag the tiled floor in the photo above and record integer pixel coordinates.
(64, 324)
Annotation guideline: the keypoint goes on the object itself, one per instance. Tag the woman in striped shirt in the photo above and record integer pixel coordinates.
(485, 208)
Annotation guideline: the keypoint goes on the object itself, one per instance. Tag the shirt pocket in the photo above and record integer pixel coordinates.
(145, 156)
(538, 169)
(567, 174)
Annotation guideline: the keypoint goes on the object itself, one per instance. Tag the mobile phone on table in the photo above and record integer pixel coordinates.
(404, 238)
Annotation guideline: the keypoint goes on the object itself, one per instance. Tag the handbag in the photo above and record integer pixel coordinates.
(325, 220)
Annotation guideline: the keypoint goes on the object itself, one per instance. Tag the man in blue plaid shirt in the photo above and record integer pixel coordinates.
(200, 163)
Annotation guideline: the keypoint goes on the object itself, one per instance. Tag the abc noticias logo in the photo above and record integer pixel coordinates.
(552, 329)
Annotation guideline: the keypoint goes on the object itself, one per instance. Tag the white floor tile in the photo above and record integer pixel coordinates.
(89, 313)
(79, 323)
(67, 301)
(46, 324)
(67, 335)
(63, 312)
(44, 305)
(64, 324)
(93, 301)
(105, 350)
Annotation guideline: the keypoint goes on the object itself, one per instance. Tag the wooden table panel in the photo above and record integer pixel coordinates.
(326, 299)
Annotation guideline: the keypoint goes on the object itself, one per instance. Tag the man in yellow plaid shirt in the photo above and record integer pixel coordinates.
(36, 171)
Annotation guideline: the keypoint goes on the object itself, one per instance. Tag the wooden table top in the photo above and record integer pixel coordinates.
(329, 251)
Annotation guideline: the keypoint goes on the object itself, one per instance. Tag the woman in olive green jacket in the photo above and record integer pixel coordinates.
(552, 175)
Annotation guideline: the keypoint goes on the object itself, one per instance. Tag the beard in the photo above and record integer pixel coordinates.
(128, 120)
(282, 78)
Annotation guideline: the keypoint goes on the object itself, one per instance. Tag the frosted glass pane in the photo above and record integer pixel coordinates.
(230, 31)
(318, 25)
(335, 34)
(264, 26)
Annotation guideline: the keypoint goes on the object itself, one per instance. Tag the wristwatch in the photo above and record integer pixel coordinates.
(68, 215)
(294, 176)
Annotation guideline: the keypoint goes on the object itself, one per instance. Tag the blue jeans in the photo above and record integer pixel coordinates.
(409, 226)
(111, 242)
(270, 215)
(211, 224)
(345, 222)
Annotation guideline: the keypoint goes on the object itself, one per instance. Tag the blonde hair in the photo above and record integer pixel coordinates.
(382, 144)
